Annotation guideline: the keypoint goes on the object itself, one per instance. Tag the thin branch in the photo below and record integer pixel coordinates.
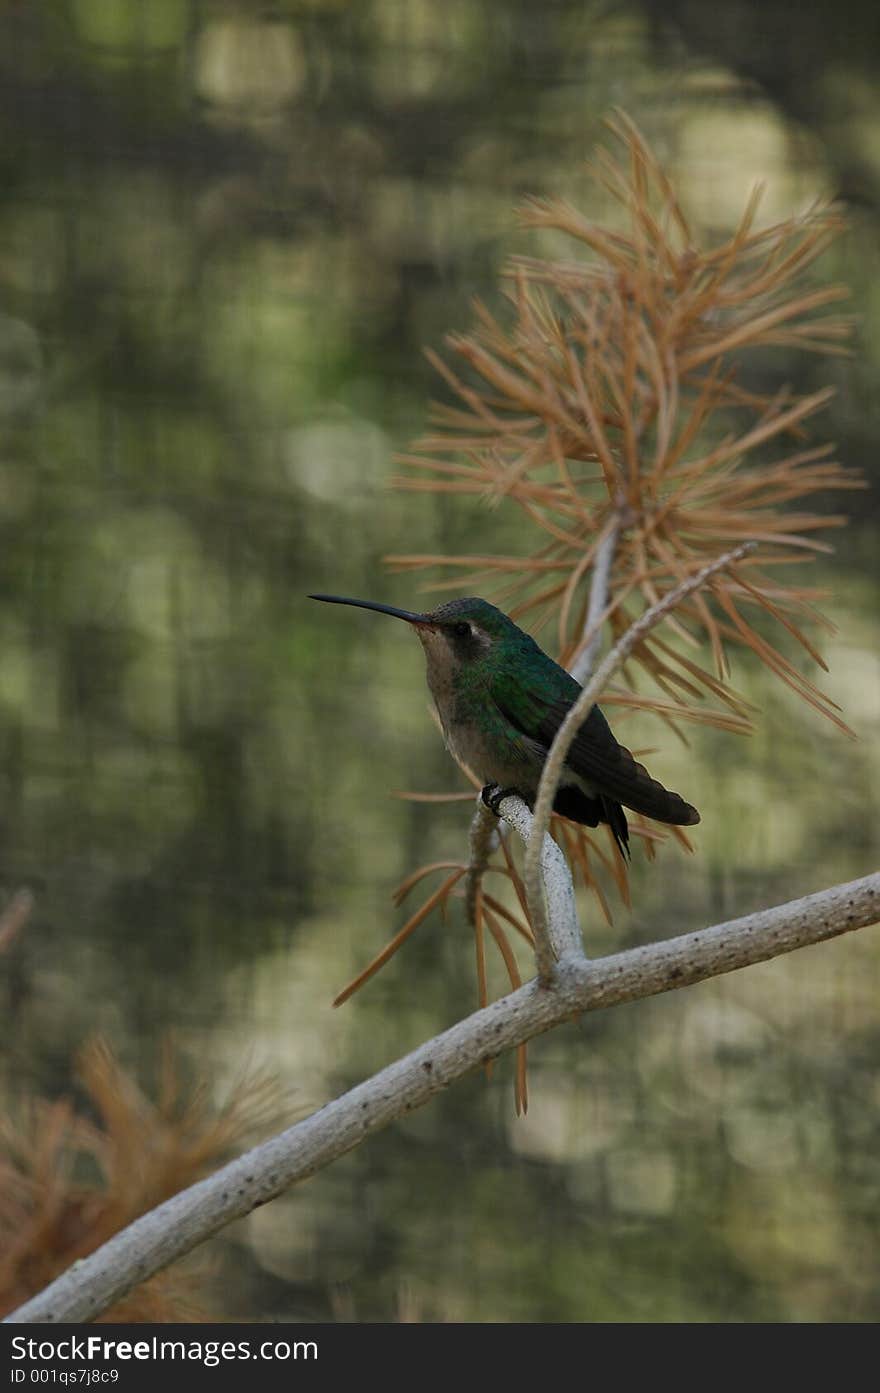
(583, 664)
(562, 934)
(483, 842)
(181, 1223)
(566, 733)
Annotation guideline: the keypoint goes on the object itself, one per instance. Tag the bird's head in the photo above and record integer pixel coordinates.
(457, 634)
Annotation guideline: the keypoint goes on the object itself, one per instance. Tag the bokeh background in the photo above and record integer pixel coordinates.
(226, 231)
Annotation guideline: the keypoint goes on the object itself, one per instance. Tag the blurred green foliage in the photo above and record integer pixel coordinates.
(225, 232)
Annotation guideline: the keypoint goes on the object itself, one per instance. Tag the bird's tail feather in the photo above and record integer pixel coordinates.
(577, 806)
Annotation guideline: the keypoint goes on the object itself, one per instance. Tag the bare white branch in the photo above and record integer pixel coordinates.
(584, 661)
(563, 928)
(556, 755)
(483, 841)
(179, 1225)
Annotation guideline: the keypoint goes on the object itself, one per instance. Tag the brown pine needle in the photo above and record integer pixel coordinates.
(576, 849)
(682, 837)
(482, 987)
(399, 938)
(720, 720)
(762, 598)
(400, 893)
(521, 1089)
(516, 880)
(479, 944)
(512, 920)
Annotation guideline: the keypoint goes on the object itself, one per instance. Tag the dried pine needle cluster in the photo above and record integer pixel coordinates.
(613, 405)
(614, 398)
(68, 1183)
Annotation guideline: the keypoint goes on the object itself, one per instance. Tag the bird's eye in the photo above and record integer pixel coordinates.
(461, 630)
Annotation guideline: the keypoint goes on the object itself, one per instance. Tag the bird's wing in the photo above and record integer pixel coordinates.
(595, 755)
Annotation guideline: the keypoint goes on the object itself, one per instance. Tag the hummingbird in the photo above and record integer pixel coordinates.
(501, 700)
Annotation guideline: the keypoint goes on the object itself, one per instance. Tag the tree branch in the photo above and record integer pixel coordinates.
(563, 933)
(583, 662)
(556, 755)
(483, 841)
(178, 1225)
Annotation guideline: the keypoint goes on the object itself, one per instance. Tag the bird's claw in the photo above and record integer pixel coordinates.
(492, 795)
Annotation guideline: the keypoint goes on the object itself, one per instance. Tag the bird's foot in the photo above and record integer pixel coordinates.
(492, 795)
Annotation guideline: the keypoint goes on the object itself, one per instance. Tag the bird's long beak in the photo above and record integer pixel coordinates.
(371, 604)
